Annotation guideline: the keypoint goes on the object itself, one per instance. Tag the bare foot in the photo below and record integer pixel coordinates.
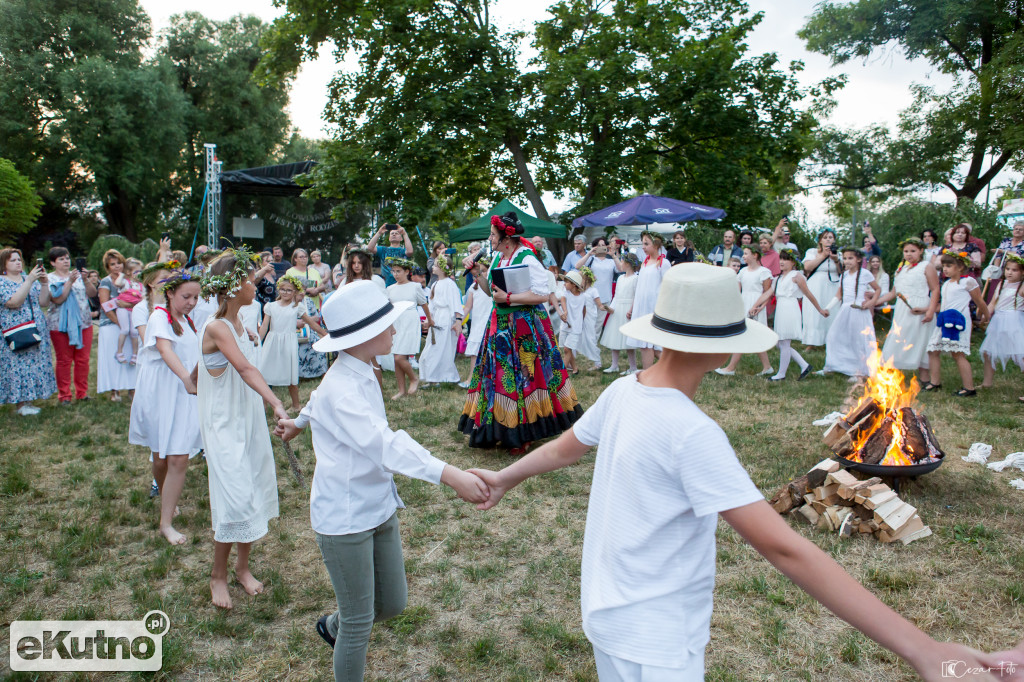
(177, 512)
(397, 396)
(219, 592)
(413, 386)
(173, 536)
(248, 582)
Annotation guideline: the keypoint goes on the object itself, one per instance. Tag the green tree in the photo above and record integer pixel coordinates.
(975, 125)
(19, 203)
(623, 96)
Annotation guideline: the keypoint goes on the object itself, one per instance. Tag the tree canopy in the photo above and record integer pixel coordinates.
(621, 96)
(19, 204)
(959, 139)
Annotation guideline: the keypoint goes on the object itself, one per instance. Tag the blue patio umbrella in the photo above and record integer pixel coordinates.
(646, 209)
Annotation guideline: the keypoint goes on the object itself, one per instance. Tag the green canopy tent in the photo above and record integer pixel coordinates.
(480, 229)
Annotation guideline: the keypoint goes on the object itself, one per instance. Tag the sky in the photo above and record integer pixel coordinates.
(877, 88)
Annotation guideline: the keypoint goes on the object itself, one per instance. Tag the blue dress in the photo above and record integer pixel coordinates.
(27, 374)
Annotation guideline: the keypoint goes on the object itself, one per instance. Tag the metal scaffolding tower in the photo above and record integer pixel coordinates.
(213, 167)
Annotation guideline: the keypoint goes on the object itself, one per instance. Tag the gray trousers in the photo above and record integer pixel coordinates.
(368, 574)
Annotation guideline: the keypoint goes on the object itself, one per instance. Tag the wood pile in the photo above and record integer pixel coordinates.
(834, 499)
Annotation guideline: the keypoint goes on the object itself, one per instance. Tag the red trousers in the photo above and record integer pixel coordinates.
(68, 354)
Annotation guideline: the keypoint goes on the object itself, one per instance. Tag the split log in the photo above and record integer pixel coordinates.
(869, 492)
(850, 492)
(808, 514)
(782, 501)
(929, 436)
(883, 511)
(842, 478)
(912, 526)
(798, 488)
(817, 475)
(914, 442)
(895, 521)
(878, 443)
(879, 499)
(916, 535)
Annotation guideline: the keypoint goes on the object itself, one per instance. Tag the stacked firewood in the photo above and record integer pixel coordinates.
(834, 499)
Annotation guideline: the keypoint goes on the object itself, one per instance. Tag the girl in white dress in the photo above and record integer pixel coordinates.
(654, 267)
(574, 307)
(279, 361)
(165, 415)
(822, 270)
(478, 306)
(592, 324)
(851, 338)
(152, 296)
(755, 280)
(789, 288)
(1004, 338)
(956, 294)
(916, 286)
(239, 457)
(880, 275)
(622, 301)
(437, 362)
(408, 330)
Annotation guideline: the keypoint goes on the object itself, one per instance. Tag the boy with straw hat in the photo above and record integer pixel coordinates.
(353, 502)
(649, 546)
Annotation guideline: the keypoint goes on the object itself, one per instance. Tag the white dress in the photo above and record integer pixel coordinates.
(164, 417)
(407, 327)
(789, 323)
(955, 296)
(621, 303)
(111, 375)
(604, 275)
(824, 284)
(279, 361)
(205, 307)
(437, 361)
(480, 314)
(591, 323)
(239, 458)
(752, 288)
(906, 344)
(851, 338)
(1004, 339)
(572, 331)
(647, 285)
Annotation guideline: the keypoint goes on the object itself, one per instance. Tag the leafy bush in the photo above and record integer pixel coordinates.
(145, 251)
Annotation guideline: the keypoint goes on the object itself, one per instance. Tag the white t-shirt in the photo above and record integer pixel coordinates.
(649, 545)
(140, 314)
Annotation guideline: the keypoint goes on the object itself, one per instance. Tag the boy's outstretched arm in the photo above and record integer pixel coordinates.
(820, 576)
(561, 452)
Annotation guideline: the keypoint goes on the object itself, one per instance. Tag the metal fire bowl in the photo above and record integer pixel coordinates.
(890, 471)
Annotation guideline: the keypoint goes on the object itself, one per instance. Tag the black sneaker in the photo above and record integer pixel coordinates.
(154, 490)
(807, 370)
(321, 629)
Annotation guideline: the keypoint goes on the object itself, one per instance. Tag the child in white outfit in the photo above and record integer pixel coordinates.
(649, 544)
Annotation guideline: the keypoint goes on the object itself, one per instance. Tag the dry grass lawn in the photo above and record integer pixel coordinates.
(495, 596)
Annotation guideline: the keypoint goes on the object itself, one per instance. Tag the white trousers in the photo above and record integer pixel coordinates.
(612, 669)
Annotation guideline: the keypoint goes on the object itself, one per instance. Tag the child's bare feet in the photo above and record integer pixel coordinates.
(398, 395)
(173, 536)
(219, 592)
(248, 582)
(413, 386)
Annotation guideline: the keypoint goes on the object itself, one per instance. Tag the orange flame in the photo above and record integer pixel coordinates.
(886, 386)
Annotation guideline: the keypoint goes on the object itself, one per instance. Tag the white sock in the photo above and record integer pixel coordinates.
(631, 354)
(615, 359)
(798, 358)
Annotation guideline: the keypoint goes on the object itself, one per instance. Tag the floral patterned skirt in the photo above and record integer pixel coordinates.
(520, 391)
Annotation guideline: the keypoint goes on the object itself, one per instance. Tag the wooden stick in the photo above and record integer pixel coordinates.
(293, 462)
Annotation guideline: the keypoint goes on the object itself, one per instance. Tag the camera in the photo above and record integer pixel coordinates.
(833, 249)
(600, 249)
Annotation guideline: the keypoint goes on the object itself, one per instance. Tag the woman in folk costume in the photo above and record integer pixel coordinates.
(520, 391)
(437, 361)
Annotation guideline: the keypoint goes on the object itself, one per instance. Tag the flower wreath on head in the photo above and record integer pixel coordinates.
(503, 227)
(154, 267)
(912, 240)
(177, 278)
(294, 281)
(633, 260)
(484, 260)
(445, 264)
(962, 256)
(230, 282)
(824, 230)
(588, 273)
(1011, 256)
(404, 263)
(851, 248)
(794, 255)
(653, 236)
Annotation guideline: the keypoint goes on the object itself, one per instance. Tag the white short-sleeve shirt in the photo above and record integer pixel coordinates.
(649, 545)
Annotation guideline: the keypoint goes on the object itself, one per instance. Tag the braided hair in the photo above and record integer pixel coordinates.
(859, 255)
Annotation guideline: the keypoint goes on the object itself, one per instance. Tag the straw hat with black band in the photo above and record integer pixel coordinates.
(700, 310)
(356, 313)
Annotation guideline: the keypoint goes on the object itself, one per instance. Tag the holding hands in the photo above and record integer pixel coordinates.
(466, 484)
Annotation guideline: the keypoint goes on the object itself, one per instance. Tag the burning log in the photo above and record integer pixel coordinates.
(878, 443)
